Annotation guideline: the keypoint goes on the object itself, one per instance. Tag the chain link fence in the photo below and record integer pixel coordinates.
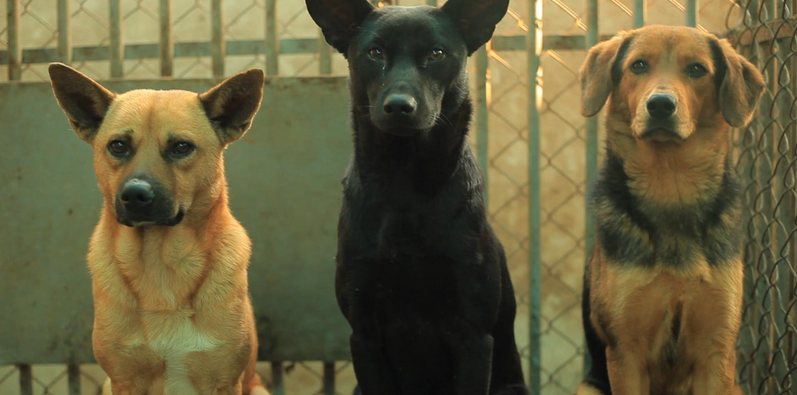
(766, 153)
(523, 126)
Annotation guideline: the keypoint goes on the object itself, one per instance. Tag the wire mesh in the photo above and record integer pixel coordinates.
(280, 37)
(767, 35)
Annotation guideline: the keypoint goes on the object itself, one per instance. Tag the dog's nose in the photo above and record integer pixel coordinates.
(137, 194)
(661, 105)
(400, 104)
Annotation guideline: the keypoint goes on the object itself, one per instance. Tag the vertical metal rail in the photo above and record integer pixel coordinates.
(482, 114)
(166, 44)
(534, 48)
(640, 13)
(14, 50)
(691, 13)
(272, 42)
(324, 55)
(432, 3)
(329, 379)
(784, 214)
(217, 48)
(116, 46)
(73, 379)
(276, 376)
(64, 27)
(592, 152)
(25, 379)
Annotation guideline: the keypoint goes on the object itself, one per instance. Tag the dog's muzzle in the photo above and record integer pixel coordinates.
(661, 125)
(141, 201)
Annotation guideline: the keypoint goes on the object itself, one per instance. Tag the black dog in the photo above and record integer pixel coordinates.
(421, 277)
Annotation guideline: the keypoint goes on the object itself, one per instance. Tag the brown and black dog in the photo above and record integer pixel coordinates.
(663, 286)
(172, 313)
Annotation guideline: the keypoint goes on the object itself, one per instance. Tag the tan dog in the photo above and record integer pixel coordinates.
(663, 287)
(168, 260)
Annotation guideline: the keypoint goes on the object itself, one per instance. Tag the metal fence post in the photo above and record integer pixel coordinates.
(64, 25)
(640, 13)
(14, 50)
(691, 13)
(116, 47)
(217, 49)
(534, 48)
(166, 42)
(272, 42)
(73, 379)
(592, 151)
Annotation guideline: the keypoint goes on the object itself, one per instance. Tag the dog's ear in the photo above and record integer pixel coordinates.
(84, 101)
(339, 19)
(476, 19)
(740, 84)
(600, 70)
(232, 104)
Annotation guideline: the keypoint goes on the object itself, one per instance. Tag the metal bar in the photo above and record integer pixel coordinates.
(640, 13)
(64, 42)
(534, 45)
(217, 37)
(166, 45)
(329, 379)
(14, 56)
(482, 114)
(25, 379)
(73, 379)
(276, 376)
(691, 13)
(286, 46)
(324, 55)
(783, 213)
(432, 3)
(592, 152)
(272, 44)
(116, 48)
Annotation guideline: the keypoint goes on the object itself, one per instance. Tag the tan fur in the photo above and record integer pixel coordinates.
(633, 306)
(171, 303)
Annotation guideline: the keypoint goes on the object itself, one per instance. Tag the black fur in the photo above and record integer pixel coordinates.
(421, 277)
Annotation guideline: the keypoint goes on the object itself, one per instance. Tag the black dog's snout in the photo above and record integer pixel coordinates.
(661, 105)
(400, 104)
(137, 193)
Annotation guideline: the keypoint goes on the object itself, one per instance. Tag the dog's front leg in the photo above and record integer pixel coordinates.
(371, 368)
(628, 372)
(474, 360)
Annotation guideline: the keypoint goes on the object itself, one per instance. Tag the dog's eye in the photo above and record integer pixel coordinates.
(182, 148)
(639, 67)
(437, 54)
(376, 54)
(696, 70)
(118, 148)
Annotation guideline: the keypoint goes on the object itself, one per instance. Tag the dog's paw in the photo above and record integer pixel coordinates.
(259, 390)
(106, 387)
(518, 389)
(588, 389)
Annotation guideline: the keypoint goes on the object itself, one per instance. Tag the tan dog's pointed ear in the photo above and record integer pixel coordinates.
(596, 73)
(741, 84)
(232, 104)
(84, 101)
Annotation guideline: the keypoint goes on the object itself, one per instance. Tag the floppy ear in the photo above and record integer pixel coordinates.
(740, 83)
(599, 71)
(476, 19)
(339, 19)
(84, 101)
(232, 104)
